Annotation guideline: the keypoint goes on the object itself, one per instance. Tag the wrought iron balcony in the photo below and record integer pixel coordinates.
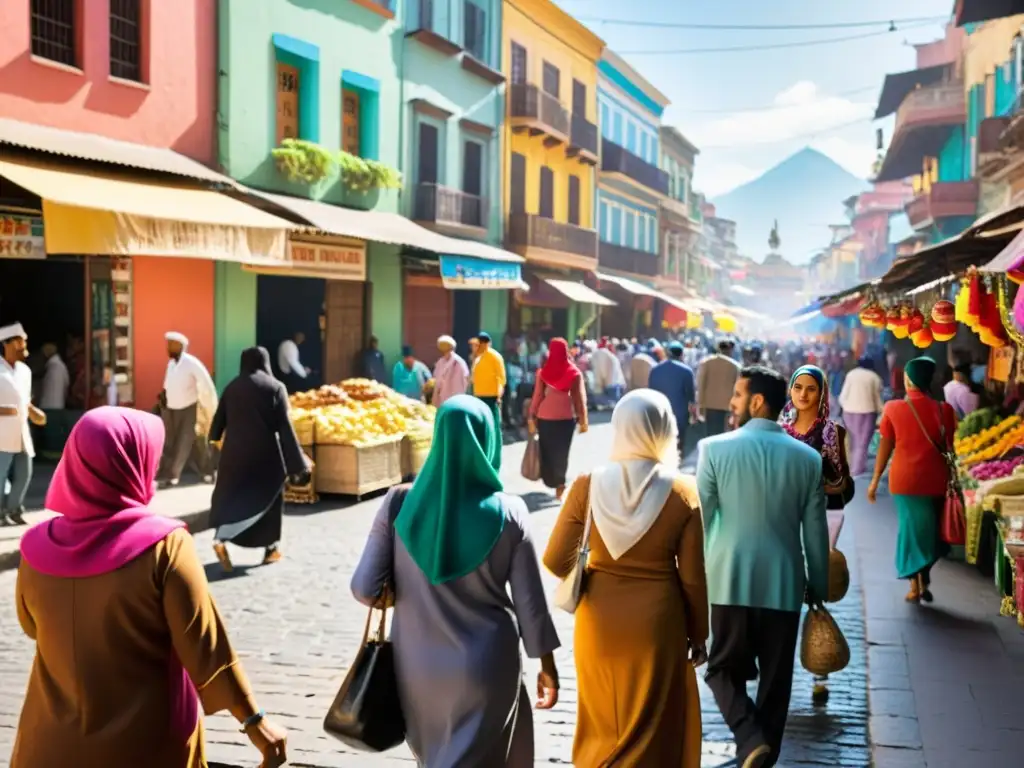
(526, 231)
(440, 207)
(623, 259)
(583, 139)
(539, 112)
(944, 200)
(616, 159)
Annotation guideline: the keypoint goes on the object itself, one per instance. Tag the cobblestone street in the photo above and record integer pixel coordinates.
(297, 628)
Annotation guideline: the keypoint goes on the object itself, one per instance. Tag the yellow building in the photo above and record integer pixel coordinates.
(551, 149)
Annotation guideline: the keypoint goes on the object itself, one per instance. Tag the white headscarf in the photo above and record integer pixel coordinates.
(627, 494)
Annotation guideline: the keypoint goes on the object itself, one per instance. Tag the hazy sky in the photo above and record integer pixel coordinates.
(747, 110)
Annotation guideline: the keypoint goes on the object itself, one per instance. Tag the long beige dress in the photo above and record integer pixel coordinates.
(639, 704)
(99, 691)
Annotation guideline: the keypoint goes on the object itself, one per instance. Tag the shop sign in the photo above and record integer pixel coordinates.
(1000, 363)
(479, 274)
(340, 262)
(21, 237)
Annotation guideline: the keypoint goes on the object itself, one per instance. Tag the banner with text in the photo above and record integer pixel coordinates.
(464, 272)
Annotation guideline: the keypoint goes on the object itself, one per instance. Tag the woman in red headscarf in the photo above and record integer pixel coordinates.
(559, 403)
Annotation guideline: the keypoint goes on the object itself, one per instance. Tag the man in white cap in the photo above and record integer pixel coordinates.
(451, 374)
(16, 410)
(190, 398)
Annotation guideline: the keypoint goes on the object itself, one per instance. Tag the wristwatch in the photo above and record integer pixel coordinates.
(252, 720)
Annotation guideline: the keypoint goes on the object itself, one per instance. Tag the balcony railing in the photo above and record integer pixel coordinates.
(528, 103)
(624, 259)
(584, 135)
(616, 159)
(429, 30)
(944, 200)
(933, 105)
(530, 231)
(450, 207)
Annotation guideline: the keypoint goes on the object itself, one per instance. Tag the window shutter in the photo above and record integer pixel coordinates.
(574, 200)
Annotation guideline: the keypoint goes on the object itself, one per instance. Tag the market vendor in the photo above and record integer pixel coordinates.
(961, 393)
(409, 375)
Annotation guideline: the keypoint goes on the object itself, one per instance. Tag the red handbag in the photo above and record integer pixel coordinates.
(952, 519)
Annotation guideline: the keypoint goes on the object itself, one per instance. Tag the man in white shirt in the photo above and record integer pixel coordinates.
(16, 410)
(609, 381)
(293, 372)
(190, 398)
(861, 401)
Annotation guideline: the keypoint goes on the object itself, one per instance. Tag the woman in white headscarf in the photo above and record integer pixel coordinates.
(642, 624)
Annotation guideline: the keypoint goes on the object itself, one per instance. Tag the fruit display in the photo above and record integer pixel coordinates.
(976, 421)
(993, 470)
(361, 413)
(991, 443)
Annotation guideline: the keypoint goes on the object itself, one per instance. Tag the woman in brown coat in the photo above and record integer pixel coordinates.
(128, 640)
(645, 599)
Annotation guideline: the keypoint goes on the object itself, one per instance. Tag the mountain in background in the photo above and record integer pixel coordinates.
(804, 192)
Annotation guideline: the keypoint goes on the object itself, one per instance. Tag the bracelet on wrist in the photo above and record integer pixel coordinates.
(252, 720)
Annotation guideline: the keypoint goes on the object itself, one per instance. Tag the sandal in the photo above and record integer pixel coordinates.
(223, 557)
(272, 555)
(926, 594)
(914, 595)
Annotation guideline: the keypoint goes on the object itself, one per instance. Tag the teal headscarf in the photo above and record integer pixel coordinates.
(451, 518)
(921, 371)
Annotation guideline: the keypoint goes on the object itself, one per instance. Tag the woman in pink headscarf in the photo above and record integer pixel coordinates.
(128, 640)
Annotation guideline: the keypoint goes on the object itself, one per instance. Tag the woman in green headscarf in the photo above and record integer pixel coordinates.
(911, 431)
(455, 544)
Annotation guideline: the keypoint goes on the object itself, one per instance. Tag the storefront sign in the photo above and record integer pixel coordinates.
(340, 262)
(479, 274)
(21, 237)
(1000, 363)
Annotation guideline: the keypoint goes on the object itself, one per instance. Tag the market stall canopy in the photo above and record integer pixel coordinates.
(100, 149)
(1007, 258)
(946, 258)
(89, 212)
(973, 11)
(578, 292)
(384, 228)
(639, 289)
(898, 84)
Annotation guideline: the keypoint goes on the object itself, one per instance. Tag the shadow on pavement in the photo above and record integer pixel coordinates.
(214, 573)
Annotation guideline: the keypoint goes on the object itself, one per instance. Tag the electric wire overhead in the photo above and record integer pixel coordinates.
(770, 46)
(890, 24)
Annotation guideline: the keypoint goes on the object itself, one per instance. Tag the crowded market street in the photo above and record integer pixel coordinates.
(942, 683)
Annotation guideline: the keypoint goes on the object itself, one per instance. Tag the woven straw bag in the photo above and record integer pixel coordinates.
(838, 576)
(823, 648)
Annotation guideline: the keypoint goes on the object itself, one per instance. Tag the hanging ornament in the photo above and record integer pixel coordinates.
(917, 322)
(972, 316)
(990, 321)
(1011, 328)
(900, 327)
(873, 316)
(943, 320)
(962, 297)
(923, 338)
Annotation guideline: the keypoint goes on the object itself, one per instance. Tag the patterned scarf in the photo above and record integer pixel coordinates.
(823, 436)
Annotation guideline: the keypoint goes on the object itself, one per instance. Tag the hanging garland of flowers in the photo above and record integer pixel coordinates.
(1006, 315)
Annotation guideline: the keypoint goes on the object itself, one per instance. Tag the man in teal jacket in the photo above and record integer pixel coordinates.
(763, 503)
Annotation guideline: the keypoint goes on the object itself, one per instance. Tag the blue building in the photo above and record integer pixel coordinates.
(631, 188)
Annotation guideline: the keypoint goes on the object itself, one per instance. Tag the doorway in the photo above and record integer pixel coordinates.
(286, 306)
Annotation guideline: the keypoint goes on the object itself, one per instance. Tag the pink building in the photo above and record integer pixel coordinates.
(143, 71)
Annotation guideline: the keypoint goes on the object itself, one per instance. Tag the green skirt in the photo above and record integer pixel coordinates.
(918, 545)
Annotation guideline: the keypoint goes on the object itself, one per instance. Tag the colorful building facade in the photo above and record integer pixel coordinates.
(551, 149)
(454, 104)
(311, 109)
(143, 75)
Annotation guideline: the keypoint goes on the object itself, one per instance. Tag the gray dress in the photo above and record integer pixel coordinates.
(457, 645)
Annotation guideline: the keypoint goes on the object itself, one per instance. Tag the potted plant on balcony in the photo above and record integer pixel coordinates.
(308, 163)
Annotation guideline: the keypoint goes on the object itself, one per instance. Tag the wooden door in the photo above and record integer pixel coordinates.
(547, 193)
(427, 314)
(350, 121)
(346, 313)
(428, 141)
(579, 98)
(287, 103)
(517, 184)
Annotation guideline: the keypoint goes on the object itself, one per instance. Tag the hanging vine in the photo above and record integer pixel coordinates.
(308, 163)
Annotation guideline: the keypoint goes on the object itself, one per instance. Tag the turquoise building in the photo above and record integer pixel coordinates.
(453, 105)
(299, 84)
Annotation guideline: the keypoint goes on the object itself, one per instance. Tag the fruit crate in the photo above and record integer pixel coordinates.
(305, 430)
(351, 470)
(414, 456)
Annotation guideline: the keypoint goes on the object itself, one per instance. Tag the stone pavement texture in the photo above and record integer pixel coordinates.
(297, 628)
(946, 680)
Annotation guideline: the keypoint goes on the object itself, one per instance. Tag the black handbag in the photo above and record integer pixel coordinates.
(367, 712)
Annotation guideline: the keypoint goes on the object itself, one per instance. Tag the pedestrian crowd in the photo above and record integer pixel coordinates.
(130, 645)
